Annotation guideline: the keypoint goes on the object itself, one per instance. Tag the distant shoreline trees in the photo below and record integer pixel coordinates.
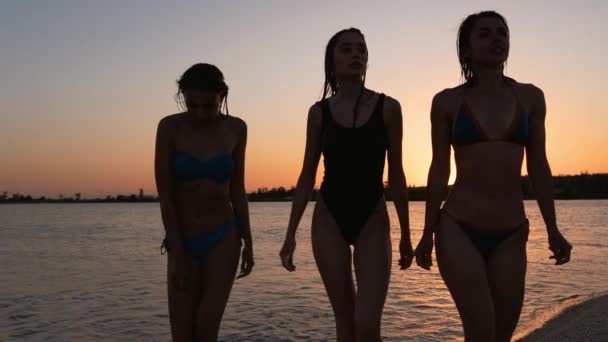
(582, 186)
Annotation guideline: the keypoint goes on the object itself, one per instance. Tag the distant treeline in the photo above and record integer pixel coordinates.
(583, 186)
(21, 198)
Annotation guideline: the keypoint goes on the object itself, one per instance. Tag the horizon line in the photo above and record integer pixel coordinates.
(4, 195)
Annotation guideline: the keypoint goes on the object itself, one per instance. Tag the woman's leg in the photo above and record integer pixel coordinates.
(506, 269)
(463, 270)
(333, 257)
(183, 302)
(373, 270)
(218, 270)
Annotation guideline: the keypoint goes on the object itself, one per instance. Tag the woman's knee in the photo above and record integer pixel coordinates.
(207, 331)
(366, 333)
(478, 322)
(485, 333)
(208, 319)
(367, 325)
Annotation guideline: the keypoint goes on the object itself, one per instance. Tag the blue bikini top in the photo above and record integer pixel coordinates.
(467, 129)
(187, 168)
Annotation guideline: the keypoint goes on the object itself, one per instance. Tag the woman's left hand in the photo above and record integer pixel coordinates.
(560, 247)
(246, 261)
(406, 253)
(424, 250)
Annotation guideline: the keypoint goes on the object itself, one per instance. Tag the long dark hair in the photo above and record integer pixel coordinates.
(330, 86)
(202, 76)
(463, 42)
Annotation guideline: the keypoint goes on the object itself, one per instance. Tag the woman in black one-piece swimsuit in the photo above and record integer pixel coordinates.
(355, 129)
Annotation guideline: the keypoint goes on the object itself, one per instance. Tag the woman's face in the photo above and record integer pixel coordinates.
(203, 104)
(350, 55)
(489, 42)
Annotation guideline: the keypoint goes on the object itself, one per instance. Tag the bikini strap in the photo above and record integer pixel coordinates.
(465, 110)
(511, 84)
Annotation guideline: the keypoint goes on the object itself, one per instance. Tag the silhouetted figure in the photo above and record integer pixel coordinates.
(199, 167)
(481, 231)
(353, 127)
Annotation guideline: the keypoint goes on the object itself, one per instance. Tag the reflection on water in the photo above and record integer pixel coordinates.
(94, 272)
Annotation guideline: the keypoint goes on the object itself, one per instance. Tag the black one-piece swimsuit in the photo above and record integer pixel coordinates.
(354, 166)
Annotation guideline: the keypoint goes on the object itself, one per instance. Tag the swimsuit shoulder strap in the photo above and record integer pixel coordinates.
(379, 110)
(325, 111)
(325, 120)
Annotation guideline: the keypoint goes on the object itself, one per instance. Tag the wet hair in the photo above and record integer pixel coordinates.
(203, 76)
(330, 86)
(463, 41)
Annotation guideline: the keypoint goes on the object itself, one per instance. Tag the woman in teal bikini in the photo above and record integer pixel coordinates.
(199, 169)
(491, 121)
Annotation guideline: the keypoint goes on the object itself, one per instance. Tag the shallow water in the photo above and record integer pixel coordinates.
(74, 272)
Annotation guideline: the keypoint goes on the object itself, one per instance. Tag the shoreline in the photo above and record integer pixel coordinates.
(585, 319)
(101, 201)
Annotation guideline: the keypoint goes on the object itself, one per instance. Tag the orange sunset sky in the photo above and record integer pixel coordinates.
(84, 85)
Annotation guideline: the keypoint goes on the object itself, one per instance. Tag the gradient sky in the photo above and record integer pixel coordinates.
(84, 83)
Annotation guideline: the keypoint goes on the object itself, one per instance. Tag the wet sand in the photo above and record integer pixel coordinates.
(586, 321)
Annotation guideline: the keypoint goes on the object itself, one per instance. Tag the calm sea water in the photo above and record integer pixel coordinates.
(82, 272)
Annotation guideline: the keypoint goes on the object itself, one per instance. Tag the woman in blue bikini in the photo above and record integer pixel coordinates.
(199, 169)
(491, 121)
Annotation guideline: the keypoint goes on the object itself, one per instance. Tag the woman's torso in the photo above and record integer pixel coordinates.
(353, 156)
(488, 135)
(202, 166)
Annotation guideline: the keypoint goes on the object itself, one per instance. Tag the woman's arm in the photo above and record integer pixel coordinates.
(396, 178)
(541, 177)
(238, 198)
(238, 195)
(305, 184)
(439, 174)
(164, 182)
(439, 171)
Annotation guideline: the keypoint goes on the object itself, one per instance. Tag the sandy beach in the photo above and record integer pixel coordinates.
(585, 321)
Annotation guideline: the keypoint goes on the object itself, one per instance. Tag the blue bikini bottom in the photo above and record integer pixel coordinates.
(200, 246)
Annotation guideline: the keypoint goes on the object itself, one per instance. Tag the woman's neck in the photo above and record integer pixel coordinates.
(490, 78)
(349, 88)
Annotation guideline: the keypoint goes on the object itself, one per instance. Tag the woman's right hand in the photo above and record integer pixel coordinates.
(286, 254)
(560, 247)
(424, 250)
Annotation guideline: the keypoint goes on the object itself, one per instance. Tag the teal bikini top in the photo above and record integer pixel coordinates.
(187, 168)
(467, 129)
